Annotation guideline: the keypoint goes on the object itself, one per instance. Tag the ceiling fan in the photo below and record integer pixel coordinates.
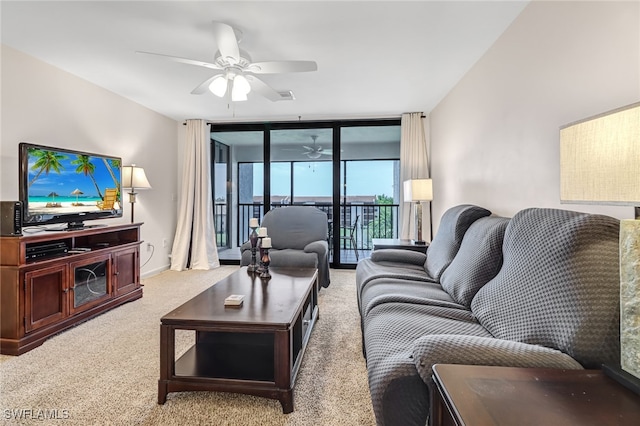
(316, 151)
(236, 74)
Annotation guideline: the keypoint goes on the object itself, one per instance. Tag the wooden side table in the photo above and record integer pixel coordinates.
(395, 243)
(481, 395)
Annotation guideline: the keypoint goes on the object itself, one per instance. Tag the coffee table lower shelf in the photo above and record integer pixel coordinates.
(254, 359)
(249, 363)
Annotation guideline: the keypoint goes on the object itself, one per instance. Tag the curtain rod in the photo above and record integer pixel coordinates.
(262, 122)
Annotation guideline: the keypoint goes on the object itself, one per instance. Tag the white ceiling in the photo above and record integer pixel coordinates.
(375, 58)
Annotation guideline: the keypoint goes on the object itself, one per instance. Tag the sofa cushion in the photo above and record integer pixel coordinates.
(478, 260)
(368, 270)
(558, 286)
(398, 394)
(385, 290)
(445, 245)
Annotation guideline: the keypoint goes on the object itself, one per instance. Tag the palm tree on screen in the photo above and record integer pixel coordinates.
(86, 167)
(46, 161)
(111, 165)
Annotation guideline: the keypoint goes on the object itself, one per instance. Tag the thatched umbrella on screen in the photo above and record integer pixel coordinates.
(53, 196)
(77, 192)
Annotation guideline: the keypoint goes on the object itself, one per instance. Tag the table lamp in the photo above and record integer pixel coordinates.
(600, 164)
(133, 178)
(416, 191)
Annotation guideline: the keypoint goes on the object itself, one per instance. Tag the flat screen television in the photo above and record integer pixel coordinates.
(60, 185)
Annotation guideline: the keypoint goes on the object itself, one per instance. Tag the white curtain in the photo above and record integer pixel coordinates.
(414, 164)
(194, 245)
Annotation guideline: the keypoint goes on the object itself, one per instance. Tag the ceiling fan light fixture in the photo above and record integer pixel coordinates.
(219, 86)
(241, 88)
(231, 63)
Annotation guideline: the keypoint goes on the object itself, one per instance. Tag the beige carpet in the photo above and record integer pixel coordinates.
(106, 370)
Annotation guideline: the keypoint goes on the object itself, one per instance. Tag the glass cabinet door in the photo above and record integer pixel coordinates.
(89, 283)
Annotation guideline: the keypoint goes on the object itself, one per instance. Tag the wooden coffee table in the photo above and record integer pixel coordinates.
(255, 349)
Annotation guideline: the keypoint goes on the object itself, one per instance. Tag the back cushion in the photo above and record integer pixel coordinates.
(295, 226)
(558, 286)
(445, 244)
(477, 261)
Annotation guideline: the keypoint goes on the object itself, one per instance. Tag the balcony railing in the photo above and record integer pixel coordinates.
(374, 221)
(220, 223)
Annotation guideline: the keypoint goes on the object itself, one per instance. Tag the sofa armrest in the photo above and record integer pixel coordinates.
(319, 247)
(473, 350)
(245, 246)
(399, 255)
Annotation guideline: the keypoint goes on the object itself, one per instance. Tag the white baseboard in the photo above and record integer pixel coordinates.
(147, 274)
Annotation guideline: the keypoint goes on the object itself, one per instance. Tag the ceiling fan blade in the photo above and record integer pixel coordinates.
(227, 42)
(277, 67)
(183, 60)
(263, 88)
(204, 86)
(308, 147)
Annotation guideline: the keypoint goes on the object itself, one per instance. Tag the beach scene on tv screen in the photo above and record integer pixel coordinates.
(61, 182)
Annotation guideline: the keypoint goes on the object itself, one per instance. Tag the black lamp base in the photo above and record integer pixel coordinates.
(132, 200)
(627, 380)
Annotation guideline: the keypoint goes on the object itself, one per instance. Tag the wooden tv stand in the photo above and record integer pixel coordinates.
(45, 290)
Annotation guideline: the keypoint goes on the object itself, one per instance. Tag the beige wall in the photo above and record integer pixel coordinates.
(494, 137)
(45, 105)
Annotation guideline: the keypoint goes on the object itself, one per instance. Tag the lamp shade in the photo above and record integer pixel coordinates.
(418, 190)
(219, 86)
(241, 88)
(134, 177)
(600, 159)
(230, 82)
(600, 164)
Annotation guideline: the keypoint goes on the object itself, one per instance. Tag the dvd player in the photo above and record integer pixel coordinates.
(46, 250)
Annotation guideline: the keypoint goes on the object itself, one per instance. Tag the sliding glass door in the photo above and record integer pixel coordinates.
(348, 169)
(243, 187)
(369, 188)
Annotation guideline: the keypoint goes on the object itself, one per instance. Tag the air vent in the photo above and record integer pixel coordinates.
(287, 96)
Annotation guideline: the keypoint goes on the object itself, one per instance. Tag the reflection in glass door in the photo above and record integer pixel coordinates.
(241, 193)
(221, 198)
(302, 169)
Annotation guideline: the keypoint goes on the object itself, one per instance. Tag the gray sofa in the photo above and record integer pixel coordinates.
(538, 290)
(298, 238)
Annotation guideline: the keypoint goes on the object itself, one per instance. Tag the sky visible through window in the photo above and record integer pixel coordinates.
(364, 178)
